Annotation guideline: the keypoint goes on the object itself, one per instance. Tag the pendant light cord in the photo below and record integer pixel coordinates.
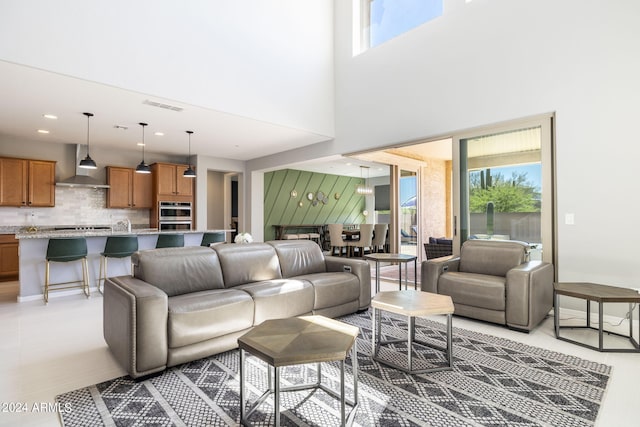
(189, 132)
(89, 115)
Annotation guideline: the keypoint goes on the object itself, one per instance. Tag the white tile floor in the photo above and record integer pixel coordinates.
(48, 350)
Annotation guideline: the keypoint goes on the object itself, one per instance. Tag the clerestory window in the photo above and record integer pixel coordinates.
(382, 20)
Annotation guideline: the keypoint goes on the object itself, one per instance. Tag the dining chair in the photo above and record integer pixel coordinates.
(379, 237)
(365, 240)
(335, 237)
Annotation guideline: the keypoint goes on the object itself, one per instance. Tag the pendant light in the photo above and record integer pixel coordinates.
(364, 189)
(189, 173)
(143, 167)
(87, 162)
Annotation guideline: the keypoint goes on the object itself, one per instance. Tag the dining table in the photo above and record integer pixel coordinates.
(353, 234)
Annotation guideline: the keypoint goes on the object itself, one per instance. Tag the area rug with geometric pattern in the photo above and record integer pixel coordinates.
(494, 381)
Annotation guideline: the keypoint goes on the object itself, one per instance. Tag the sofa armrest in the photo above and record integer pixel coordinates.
(135, 324)
(358, 267)
(529, 290)
(431, 270)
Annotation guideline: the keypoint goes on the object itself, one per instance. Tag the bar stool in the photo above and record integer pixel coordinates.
(66, 250)
(116, 247)
(209, 238)
(170, 241)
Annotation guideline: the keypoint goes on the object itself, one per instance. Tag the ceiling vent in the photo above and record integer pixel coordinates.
(162, 105)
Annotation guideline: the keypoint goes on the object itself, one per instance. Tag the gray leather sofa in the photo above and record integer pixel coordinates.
(493, 281)
(187, 303)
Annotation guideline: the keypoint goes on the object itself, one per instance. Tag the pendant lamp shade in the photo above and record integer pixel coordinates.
(143, 167)
(364, 189)
(87, 162)
(189, 173)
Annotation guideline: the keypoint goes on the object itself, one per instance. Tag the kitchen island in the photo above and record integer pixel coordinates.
(33, 250)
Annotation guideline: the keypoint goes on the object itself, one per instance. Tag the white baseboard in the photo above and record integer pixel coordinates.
(611, 323)
(56, 294)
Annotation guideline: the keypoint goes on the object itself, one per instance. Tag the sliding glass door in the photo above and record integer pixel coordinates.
(503, 177)
(408, 212)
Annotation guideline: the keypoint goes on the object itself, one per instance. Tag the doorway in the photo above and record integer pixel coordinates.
(494, 182)
(503, 184)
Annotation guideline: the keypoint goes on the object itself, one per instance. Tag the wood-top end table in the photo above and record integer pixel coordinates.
(400, 259)
(601, 294)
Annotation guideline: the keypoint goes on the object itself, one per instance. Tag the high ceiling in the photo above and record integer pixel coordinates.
(27, 94)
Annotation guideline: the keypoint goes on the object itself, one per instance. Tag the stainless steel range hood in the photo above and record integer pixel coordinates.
(81, 178)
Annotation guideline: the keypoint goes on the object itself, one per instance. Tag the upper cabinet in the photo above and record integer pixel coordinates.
(128, 189)
(27, 182)
(170, 182)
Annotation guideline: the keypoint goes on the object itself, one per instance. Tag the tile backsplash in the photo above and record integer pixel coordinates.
(74, 206)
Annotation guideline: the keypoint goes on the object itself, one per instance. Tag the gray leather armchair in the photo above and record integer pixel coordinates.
(493, 281)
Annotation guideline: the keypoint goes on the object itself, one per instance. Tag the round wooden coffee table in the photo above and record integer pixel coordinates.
(410, 303)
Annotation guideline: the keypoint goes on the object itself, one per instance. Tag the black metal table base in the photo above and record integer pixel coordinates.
(275, 389)
(411, 339)
(599, 329)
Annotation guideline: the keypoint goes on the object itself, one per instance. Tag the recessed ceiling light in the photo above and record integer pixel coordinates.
(43, 131)
(141, 144)
(159, 134)
(50, 116)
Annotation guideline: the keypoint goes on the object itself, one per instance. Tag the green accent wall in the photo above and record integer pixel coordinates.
(281, 208)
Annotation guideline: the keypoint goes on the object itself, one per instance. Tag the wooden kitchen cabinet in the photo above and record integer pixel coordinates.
(26, 182)
(142, 190)
(170, 180)
(128, 189)
(8, 257)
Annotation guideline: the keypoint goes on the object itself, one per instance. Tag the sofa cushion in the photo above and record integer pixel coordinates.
(490, 257)
(332, 289)
(280, 298)
(247, 262)
(200, 316)
(477, 290)
(299, 257)
(179, 271)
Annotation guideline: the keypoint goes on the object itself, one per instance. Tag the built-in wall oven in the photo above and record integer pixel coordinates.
(175, 216)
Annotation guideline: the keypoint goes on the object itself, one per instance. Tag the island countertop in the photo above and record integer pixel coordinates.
(33, 250)
(53, 233)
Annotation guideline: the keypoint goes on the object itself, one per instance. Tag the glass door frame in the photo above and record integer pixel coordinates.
(548, 216)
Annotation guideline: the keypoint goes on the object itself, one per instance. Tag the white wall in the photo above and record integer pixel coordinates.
(205, 196)
(492, 61)
(267, 60)
(215, 201)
